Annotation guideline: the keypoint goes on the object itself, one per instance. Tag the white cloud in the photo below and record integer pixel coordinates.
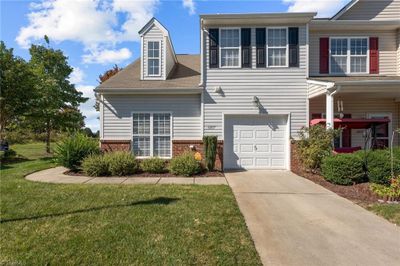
(94, 23)
(325, 8)
(87, 108)
(76, 76)
(107, 56)
(189, 4)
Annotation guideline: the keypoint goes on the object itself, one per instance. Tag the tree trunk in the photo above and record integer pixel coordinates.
(48, 131)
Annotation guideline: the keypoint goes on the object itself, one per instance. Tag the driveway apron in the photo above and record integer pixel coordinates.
(296, 222)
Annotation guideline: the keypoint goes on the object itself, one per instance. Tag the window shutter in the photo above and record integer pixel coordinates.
(246, 47)
(373, 55)
(260, 47)
(293, 47)
(213, 49)
(324, 55)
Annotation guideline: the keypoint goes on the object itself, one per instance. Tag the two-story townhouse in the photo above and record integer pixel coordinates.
(258, 80)
(354, 78)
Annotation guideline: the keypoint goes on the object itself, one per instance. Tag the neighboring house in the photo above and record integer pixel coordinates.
(258, 80)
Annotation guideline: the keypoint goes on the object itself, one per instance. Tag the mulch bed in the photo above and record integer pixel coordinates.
(144, 174)
(358, 193)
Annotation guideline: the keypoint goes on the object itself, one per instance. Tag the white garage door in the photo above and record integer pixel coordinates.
(255, 142)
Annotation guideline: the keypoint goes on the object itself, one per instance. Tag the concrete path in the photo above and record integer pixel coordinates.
(296, 222)
(56, 175)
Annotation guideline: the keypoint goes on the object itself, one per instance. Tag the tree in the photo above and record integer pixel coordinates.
(16, 92)
(103, 77)
(58, 101)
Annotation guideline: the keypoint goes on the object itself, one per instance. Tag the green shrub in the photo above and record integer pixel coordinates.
(391, 192)
(121, 163)
(70, 151)
(378, 165)
(95, 165)
(7, 155)
(210, 151)
(343, 169)
(153, 165)
(184, 165)
(314, 145)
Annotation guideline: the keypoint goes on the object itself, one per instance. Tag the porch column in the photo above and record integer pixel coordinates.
(330, 113)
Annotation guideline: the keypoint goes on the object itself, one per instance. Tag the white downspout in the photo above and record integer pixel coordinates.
(330, 112)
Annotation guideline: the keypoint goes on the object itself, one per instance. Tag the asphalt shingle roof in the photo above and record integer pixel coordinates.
(186, 74)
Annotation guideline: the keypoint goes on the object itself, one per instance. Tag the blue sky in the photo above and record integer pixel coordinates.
(96, 34)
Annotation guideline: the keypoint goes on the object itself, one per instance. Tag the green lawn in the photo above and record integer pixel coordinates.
(117, 224)
(390, 212)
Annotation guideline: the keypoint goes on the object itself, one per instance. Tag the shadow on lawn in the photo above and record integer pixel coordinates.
(155, 201)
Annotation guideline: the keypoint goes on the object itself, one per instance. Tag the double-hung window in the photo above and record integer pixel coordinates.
(230, 48)
(152, 134)
(339, 55)
(349, 55)
(358, 55)
(153, 58)
(277, 47)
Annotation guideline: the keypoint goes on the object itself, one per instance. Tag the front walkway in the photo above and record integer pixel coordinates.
(56, 175)
(296, 222)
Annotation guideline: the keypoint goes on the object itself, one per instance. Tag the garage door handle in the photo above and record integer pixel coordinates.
(255, 147)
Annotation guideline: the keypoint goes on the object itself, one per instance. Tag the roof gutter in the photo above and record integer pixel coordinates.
(172, 91)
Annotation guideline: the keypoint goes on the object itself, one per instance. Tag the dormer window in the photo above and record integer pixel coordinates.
(153, 58)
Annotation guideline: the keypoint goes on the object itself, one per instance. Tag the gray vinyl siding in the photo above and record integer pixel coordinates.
(169, 59)
(360, 108)
(387, 49)
(398, 52)
(185, 109)
(373, 10)
(154, 34)
(281, 90)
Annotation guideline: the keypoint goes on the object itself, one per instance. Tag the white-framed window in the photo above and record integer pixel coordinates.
(152, 134)
(277, 47)
(153, 58)
(349, 55)
(229, 48)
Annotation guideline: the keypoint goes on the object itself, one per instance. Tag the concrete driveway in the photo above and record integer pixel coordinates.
(296, 222)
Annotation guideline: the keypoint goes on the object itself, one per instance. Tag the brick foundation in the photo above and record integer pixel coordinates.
(180, 146)
(115, 145)
(294, 157)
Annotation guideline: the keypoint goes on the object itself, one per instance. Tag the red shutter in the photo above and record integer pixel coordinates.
(373, 55)
(324, 55)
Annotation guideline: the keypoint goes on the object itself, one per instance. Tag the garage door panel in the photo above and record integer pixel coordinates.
(255, 142)
(246, 148)
(278, 148)
(260, 148)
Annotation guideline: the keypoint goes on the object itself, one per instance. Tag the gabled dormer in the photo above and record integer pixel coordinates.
(157, 52)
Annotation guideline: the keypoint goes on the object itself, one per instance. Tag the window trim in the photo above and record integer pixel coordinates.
(286, 47)
(239, 47)
(348, 55)
(152, 134)
(159, 58)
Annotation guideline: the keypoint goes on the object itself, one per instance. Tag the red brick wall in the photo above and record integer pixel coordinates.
(180, 146)
(115, 145)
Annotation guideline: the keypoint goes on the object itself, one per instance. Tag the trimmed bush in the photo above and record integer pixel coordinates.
(314, 145)
(378, 165)
(121, 163)
(343, 169)
(210, 151)
(95, 165)
(73, 149)
(153, 165)
(184, 165)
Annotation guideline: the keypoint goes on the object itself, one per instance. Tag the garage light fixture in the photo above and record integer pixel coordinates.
(256, 102)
